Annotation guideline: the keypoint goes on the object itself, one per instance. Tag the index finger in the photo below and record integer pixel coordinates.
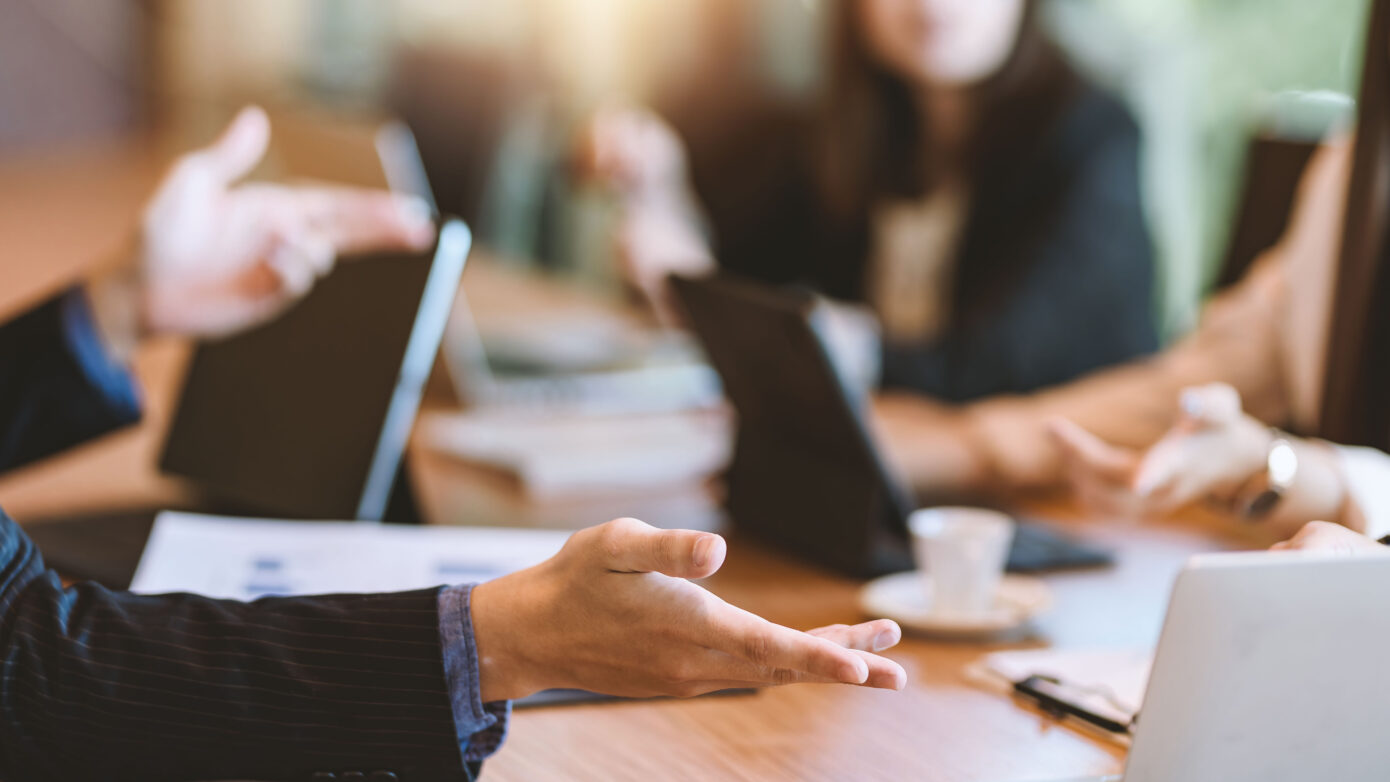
(751, 639)
(359, 220)
(1089, 451)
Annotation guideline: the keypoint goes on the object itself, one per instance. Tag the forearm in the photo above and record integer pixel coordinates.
(1130, 406)
(930, 446)
(179, 687)
(185, 687)
(1003, 444)
(1238, 343)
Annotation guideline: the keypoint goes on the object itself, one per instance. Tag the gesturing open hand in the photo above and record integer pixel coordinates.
(215, 257)
(1212, 450)
(614, 613)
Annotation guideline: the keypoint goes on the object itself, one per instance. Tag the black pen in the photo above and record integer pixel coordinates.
(1047, 694)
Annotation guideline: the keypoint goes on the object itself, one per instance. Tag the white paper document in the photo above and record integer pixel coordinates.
(562, 455)
(244, 559)
(1120, 675)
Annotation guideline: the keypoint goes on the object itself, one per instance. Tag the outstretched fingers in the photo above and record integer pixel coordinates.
(775, 654)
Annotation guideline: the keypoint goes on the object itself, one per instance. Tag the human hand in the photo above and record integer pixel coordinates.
(614, 613)
(649, 246)
(1331, 538)
(215, 257)
(1101, 475)
(634, 152)
(1211, 452)
(641, 159)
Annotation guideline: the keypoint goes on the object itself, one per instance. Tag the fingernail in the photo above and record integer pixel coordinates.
(701, 555)
(886, 639)
(857, 672)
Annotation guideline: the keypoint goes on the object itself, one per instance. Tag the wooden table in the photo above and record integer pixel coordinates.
(64, 212)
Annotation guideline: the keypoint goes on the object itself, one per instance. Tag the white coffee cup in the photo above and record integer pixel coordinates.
(961, 553)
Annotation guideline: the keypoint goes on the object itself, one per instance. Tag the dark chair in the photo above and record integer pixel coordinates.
(1273, 168)
(458, 105)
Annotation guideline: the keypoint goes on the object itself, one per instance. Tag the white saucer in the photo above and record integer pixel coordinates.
(903, 597)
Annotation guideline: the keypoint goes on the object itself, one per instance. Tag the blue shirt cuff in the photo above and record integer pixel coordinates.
(113, 380)
(482, 727)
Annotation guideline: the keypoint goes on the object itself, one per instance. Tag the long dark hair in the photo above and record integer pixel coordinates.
(873, 143)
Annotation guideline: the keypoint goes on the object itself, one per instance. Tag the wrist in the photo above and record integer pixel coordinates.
(1322, 490)
(502, 668)
(116, 295)
(1321, 459)
(1250, 461)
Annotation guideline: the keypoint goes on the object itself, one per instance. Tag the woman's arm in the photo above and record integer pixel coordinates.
(1006, 443)
(1256, 337)
(1221, 456)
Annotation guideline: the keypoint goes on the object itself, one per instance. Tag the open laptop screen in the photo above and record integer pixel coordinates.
(308, 416)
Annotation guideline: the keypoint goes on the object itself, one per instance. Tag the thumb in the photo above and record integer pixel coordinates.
(630, 546)
(240, 147)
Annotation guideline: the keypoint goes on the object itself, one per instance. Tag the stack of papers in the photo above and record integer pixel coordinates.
(243, 559)
(559, 455)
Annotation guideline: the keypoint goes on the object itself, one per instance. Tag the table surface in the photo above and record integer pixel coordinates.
(63, 212)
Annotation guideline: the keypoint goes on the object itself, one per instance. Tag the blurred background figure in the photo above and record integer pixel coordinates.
(959, 167)
(959, 177)
(496, 92)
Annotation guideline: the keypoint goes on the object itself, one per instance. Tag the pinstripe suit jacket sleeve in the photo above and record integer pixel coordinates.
(96, 684)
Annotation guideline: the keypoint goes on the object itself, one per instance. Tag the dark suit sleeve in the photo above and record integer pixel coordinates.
(106, 685)
(1084, 299)
(58, 387)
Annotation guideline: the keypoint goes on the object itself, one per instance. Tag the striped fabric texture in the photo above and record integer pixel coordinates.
(96, 684)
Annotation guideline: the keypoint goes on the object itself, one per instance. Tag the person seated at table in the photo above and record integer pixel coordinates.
(961, 180)
(108, 685)
(1265, 340)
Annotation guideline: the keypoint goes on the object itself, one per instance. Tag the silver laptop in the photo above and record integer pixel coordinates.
(1271, 668)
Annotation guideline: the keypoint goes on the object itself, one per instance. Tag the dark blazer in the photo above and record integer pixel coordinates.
(108, 685)
(57, 387)
(1055, 273)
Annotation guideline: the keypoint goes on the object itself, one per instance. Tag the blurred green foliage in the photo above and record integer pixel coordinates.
(1204, 77)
